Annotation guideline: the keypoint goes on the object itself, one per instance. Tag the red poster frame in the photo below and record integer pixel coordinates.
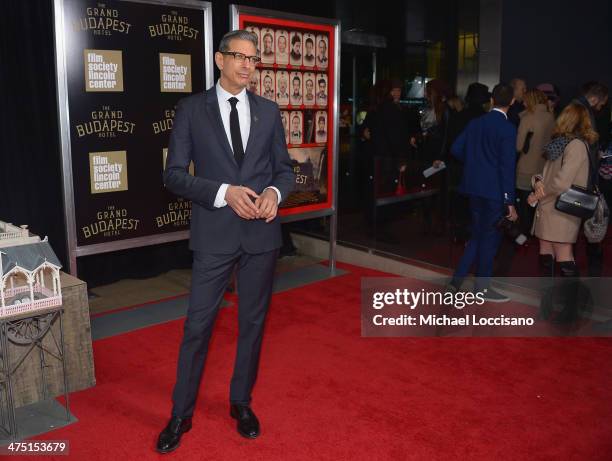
(330, 29)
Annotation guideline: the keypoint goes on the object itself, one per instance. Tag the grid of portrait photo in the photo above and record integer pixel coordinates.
(294, 73)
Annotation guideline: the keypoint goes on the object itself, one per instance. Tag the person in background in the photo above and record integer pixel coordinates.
(567, 164)
(455, 104)
(553, 96)
(436, 121)
(487, 149)
(605, 167)
(594, 98)
(603, 125)
(391, 136)
(476, 97)
(520, 87)
(366, 161)
(605, 174)
(534, 132)
(435, 150)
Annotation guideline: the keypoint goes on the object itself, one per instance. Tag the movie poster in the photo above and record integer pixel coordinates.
(297, 69)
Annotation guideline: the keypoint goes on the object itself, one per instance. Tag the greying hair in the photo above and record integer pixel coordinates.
(224, 44)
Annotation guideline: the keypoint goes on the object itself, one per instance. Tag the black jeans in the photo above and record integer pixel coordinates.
(525, 212)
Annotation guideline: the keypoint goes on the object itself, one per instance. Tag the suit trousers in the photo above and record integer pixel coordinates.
(484, 241)
(210, 277)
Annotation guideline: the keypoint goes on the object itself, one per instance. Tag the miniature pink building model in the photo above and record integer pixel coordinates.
(29, 272)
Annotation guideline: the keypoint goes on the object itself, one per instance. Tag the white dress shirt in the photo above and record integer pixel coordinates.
(501, 111)
(244, 118)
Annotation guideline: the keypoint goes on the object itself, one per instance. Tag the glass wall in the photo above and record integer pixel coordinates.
(389, 200)
(385, 202)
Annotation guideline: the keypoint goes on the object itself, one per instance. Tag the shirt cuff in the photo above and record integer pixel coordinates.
(278, 194)
(220, 197)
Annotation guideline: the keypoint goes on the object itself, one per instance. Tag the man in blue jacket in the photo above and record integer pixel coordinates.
(487, 149)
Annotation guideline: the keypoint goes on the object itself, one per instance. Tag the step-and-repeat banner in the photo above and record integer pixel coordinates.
(122, 67)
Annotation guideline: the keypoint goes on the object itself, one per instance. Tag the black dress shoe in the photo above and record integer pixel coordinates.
(170, 438)
(248, 425)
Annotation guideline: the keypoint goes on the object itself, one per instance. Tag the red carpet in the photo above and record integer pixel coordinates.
(326, 393)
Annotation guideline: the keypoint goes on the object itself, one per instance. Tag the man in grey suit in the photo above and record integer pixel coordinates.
(236, 141)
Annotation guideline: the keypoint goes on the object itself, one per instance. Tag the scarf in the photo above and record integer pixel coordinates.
(554, 149)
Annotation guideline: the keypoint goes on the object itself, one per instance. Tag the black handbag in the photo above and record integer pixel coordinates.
(527, 142)
(577, 200)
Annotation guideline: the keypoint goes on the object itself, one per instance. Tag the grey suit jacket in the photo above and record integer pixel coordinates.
(198, 135)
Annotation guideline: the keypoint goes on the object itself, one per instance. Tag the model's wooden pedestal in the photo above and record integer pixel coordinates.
(27, 379)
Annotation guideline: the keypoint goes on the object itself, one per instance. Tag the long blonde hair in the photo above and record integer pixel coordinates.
(534, 97)
(575, 122)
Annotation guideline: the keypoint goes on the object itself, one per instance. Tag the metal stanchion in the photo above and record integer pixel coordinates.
(63, 355)
(6, 365)
(30, 329)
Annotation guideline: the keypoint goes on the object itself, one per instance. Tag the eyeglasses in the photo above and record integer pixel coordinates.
(240, 57)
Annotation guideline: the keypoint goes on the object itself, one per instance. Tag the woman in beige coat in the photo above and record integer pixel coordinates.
(536, 127)
(567, 163)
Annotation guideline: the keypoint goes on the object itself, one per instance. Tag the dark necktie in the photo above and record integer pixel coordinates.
(235, 132)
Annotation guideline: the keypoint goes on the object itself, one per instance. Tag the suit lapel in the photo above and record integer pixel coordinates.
(214, 115)
(255, 121)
